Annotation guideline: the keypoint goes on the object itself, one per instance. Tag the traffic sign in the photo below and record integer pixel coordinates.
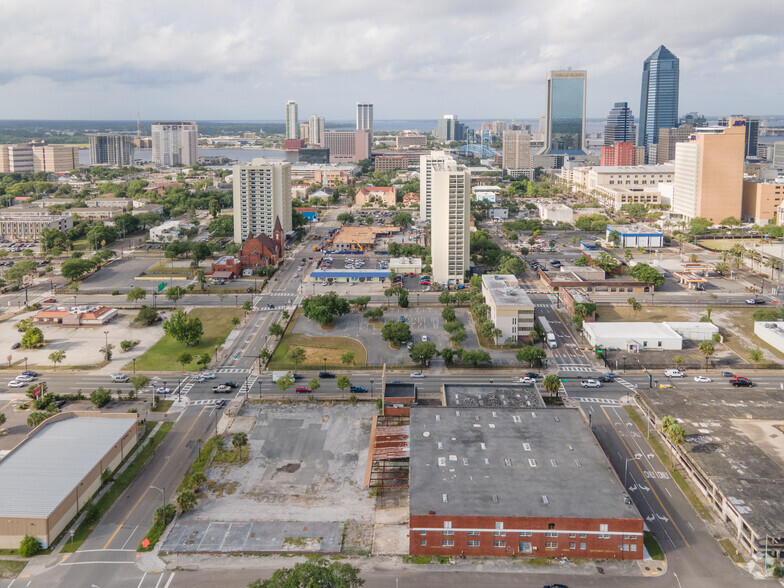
(161, 286)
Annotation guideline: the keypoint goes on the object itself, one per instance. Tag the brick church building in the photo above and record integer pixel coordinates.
(261, 250)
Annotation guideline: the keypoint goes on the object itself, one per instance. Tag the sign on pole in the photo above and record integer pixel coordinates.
(161, 286)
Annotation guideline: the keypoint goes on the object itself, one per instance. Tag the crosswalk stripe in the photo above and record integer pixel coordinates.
(595, 400)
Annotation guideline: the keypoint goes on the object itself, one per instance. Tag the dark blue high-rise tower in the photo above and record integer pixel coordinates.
(658, 98)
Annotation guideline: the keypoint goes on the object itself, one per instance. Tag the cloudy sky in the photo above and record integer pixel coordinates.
(242, 59)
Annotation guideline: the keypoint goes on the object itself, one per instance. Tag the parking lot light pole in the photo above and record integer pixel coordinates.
(25, 364)
(624, 364)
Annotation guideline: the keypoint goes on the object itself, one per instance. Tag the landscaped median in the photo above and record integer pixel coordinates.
(95, 511)
(216, 323)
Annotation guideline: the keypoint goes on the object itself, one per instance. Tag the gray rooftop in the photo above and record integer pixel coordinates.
(505, 290)
(492, 396)
(637, 229)
(510, 462)
(44, 469)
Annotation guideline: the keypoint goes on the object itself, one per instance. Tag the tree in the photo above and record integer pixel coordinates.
(395, 332)
(461, 296)
(56, 357)
(31, 546)
(531, 355)
(2, 419)
(203, 360)
(100, 397)
(448, 314)
(239, 441)
(247, 306)
(139, 382)
(201, 278)
(314, 384)
(314, 572)
(756, 356)
(175, 293)
(73, 268)
(186, 500)
(634, 306)
(183, 329)
(348, 358)
(32, 338)
(458, 336)
(276, 330)
(606, 261)
(20, 270)
(343, 382)
(107, 351)
(707, 349)
(402, 298)
(475, 356)
(447, 354)
(345, 217)
(423, 352)
(297, 356)
(374, 313)
(164, 515)
(361, 302)
(679, 360)
(235, 321)
(445, 297)
(36, 418)
(136, 293)
(184, 359)
(642, 272)
(147, 316)
(284, 314)
(200, 251)
(731, 221)
(699, 226)
(285, 382)
(552, 383)
(325, 307)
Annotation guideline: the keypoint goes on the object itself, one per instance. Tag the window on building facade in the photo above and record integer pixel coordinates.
(473, 543)
(423, 542)
(582, 545)
(571, 544)
(447, 543)
(551, 544)
(499, 543)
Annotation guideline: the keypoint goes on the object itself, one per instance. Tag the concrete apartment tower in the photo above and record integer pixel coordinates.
(426, 163)
(365, 121)
(316, 130)
(175, 143)
(708, 180)
(292, 121)
(450, 231)
(111, 149)
(517, 152)
(262, 194)
(565, 113)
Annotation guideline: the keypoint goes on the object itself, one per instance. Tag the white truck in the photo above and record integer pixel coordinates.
(278, 375)
(549, 335)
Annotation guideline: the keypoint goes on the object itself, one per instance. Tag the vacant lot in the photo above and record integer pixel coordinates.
(217, 325)
(317, 349)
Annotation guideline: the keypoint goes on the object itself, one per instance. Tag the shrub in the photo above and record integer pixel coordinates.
(29, 546)
(115, 292)
(101, 398)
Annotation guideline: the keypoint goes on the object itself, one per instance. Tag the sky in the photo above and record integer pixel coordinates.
(243, 59)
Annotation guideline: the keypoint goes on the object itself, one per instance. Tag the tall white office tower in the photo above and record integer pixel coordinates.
(292, 121)
(365, 121)
(450, 230)
(262, 194)
(316, 130)
(175, 143)
(426, 163)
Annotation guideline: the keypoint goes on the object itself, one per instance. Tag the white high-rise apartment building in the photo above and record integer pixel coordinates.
(175, 143)
(111, 149)
(262, 194)
(426, 163)
(292, 120)
(517, 150)
(365, 121)
(450, 231)
(316, 130)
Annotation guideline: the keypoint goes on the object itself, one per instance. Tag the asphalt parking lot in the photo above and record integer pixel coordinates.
(119, 274)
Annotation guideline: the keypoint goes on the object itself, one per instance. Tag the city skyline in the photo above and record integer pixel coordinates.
(187, 64)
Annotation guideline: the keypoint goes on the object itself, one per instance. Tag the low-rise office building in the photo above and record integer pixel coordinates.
(382, 195)
(21, 226)
(511, 309)
(515, 482)
(761, 200)
(47, 479)
(165, 232)
(646, 336)
(636, 235)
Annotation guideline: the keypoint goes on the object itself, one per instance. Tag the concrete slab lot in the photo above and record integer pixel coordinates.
(301, 485)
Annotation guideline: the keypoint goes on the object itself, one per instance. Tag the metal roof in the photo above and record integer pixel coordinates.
(40, 473)
(349, 273)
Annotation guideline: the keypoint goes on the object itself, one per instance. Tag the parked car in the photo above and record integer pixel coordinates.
(740, 381)
(16, 345)
(591, 384)
(417, 375)
(303, 389)
(326, 375)
(526, 381)
(358, 389)
(16, 384)
(424, 338)
(673, 373)
(23, 378)
(754, 301)
(50, 300)
(402, 319)
(702, 379)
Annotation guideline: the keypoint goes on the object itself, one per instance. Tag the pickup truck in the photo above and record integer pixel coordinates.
(222, 389)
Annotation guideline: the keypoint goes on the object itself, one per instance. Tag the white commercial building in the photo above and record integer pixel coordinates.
(645, 336)
(557, 213)
(262, 194)
(292, 120)
(450, 205)
(28, 227)
(636, 235)
(315, 130)
(511, 309)
(487, 193)
(165, 232)
(406, 265)
(347, 146)
(517, 152)
(175, 143)
(426, 164)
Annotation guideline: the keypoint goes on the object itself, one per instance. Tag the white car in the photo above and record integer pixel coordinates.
(673, 373)
(207, 376)
(163, 390)
(527, 381)
(702, 379)
(424, 338)
(16, 384)
(417, 375)
(591, 384)
(23, 378)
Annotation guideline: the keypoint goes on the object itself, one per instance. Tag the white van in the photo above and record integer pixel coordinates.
(119, 378)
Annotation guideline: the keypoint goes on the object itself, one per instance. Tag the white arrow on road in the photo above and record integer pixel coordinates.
(661, 518)
(650, 519)
(633, 488)
(646, 488)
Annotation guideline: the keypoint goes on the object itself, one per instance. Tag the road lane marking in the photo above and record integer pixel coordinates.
(641, 471)
(142, 580)
(125, 520)
(129, 536)
(170, 580)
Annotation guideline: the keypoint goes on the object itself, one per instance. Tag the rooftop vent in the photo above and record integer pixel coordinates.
(545, 500)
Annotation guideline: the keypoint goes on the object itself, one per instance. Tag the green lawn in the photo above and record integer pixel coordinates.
(163, 355)
(316, 349)
(10, 568)
(653, 546)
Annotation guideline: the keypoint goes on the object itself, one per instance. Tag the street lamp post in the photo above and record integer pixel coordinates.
(626, 469)
(25, 364)
(236, 300)
(163, 492)
(325, 363)
(106, 344)
(624, 364)
(134, 365)
(371, 387)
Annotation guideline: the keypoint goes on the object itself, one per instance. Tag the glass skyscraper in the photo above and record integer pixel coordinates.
(565, 113)
(620, 126)
(658, 98)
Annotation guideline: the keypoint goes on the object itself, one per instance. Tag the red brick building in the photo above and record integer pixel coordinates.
(515, 481)
(620, 154)
(227, 268)
(261, 250)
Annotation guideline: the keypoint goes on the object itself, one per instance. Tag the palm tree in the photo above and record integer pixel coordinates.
(239, 440)
(186, 500)
(707, 349)
(56, 357)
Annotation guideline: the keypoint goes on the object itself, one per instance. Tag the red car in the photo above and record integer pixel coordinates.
(411, 274)
(50, 300)
(303, 389)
